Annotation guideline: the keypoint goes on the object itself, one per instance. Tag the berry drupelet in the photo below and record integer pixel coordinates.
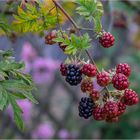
(123, 68)
(74, 75)
(107, 40)
(120, 81)
(89, 70)
(86, 106)
(103, 79)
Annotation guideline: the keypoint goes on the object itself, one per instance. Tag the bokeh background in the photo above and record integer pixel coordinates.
(56, 115)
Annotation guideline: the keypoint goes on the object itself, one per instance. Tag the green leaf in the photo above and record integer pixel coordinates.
(74, 43)
(30, 97)
(3, 99)
(91, 10)
(16, 86)
(34, 19)
(5, 27)
(25, 77)
(17, 112)
(18, 96)
(6, 66)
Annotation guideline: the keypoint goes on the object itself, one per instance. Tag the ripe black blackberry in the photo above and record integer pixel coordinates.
(86, 106)
(74, 75)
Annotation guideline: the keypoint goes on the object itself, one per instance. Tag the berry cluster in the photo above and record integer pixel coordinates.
(108, 105)
(104, 104)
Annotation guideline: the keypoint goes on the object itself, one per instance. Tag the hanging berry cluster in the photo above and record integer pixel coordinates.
(110, 102)
(104, 104)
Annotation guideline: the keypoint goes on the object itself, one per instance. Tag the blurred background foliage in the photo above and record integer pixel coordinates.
(56, 116)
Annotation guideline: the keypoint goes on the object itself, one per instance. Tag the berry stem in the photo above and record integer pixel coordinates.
(78, 29)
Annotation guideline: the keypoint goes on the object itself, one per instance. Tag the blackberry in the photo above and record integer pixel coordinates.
(107, 40)
(89, 70)
(103, 79)
(99, 113)
(74, 75)
(86, 106)
(111, 109)
(123, 68)
(63, 69)
(130, 97)
(120, 81)
(49, 37)
(86, 85)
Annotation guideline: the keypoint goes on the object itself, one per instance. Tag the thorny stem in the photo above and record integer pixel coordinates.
(77, 28)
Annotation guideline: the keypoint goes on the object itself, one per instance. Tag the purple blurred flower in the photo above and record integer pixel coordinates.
(44, 131)
(43, 70)
(64, 134)
(96, 86)
(26, 107)
(28, 53)
(28, 67)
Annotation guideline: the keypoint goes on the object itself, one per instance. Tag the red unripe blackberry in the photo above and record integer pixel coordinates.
(124, 69)
(103, 79)
(130, 97)
(86, 106)
(95, 95)
(112, 119)
(62, 46)
(86, 85)
(120, 81)
(63, 69)
(49, 38)
(74, 75)
(111, 108)
(121, 108)
(120, 24)
(89, 70)
(107, 40)
(99, 114)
